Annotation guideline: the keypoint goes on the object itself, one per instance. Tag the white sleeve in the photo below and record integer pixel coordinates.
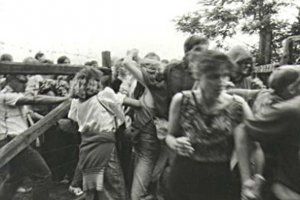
(73, 110)
(109, 95)
(120, 98)
(10, 99)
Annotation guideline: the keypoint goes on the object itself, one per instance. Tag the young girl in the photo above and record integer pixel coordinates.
(98, 112)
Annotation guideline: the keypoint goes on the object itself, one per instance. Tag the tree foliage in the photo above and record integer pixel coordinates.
(221, 19)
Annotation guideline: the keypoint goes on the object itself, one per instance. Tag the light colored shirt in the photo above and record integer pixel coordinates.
(13, 119)
(32, 86)
(91, 116)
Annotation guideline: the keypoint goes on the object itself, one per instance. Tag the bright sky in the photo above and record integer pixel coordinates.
(88, 27)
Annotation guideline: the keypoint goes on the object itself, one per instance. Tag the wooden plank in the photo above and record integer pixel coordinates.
(44, 69)
(265, 68)
(20, 142)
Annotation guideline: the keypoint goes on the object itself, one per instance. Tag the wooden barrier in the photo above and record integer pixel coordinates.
(106, 59)
(44, 69)
(20, 142)
(268, 68)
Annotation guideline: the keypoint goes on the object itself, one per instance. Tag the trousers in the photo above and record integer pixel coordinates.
(27, 163)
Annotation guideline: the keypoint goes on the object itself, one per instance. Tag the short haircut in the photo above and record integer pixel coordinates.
(62, 59)
(193, 40)
(91, 63)
(152, 55)
(282, 77)
(208, 60)
(6, 58)
(39, 55)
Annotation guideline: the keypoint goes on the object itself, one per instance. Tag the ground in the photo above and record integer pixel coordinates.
(58, 191)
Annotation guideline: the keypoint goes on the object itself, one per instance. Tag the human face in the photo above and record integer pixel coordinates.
(245, 67)
(151, 66)
(199, 48)
(19, 83)
(212, 83)
(67, 62)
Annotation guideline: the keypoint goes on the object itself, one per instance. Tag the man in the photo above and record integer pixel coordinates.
(4, 58)
(13, 121)
(275, 125)
(176, 77)
(241, 76)
(40, 56)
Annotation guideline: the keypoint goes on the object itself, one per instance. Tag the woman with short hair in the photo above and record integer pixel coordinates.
(202, 123)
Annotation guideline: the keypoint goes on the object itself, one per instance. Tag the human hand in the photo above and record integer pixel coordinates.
(256, 83)
(180, 145)
(133, 54)
(247, 190)
(251, 189)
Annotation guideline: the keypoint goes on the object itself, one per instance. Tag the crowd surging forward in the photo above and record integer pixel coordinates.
(203, 128)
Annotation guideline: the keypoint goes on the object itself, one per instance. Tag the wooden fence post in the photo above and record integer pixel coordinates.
(20, 142)
(44, 69)
(106, 60)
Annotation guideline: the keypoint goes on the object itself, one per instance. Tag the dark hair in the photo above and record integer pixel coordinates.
(282, 77)
(152, 55)
(62, 59)
(208, 60)
(6, 58)
(193, 40)
(39, 55)
(47, 61)
(87, 83)
(91, 63)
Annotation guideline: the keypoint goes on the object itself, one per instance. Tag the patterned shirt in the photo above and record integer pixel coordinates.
(211, 134)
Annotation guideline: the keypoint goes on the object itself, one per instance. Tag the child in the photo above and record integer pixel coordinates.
(98, 112)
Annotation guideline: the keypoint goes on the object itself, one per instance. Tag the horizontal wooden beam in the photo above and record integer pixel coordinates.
(43, 69)
(20, 142)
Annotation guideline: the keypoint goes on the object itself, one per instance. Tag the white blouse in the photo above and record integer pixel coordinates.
(91, 116)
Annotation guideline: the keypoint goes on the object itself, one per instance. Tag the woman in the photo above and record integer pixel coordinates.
(98, 113)
(201, 131)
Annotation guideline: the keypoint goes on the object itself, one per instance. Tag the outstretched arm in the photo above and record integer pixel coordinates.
(40, 100)
(132, 102)
(132, 66)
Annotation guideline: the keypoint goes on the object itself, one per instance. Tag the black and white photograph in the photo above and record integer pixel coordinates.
(150, 100)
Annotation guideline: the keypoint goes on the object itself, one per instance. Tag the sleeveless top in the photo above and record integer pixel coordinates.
(211, 134)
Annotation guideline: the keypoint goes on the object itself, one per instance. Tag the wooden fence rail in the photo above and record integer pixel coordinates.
(20, 142)
(44, 69)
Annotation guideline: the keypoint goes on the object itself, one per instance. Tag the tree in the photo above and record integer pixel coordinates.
(295, 30)
(221, 19)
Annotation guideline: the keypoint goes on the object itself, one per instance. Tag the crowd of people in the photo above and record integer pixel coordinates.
(201, 128)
